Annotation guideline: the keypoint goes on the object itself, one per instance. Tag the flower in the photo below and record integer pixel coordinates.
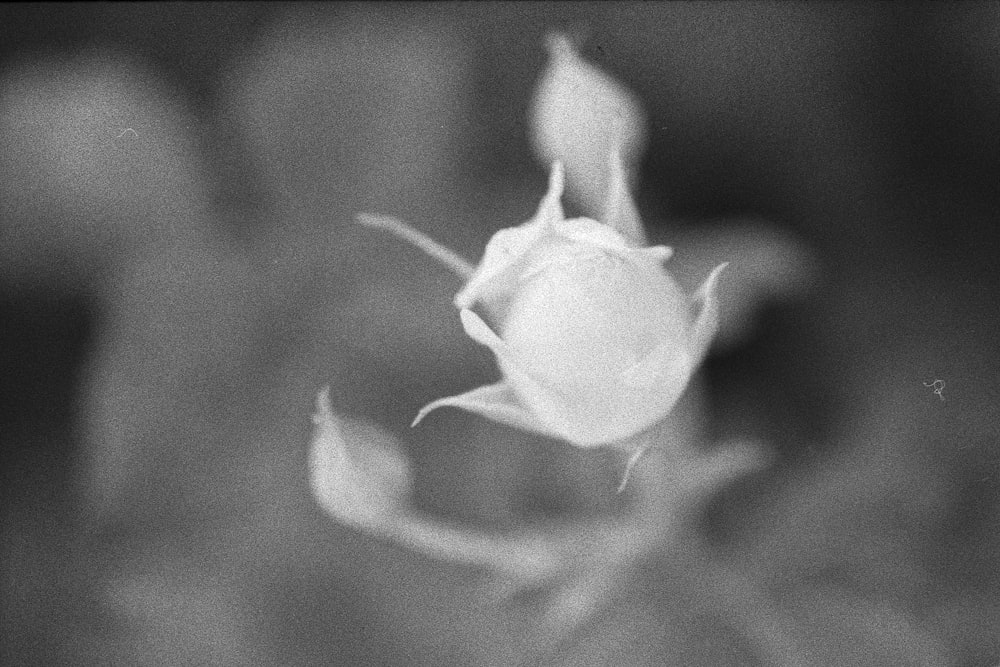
(595, 340)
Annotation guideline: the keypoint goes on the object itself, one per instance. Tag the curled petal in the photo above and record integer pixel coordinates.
(547, 405)
(767, 265)
(495, 401)
(707, 321)
(507, 402)
(508, 246)
(480, 332)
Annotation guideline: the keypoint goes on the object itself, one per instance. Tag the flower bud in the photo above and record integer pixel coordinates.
(595, 340)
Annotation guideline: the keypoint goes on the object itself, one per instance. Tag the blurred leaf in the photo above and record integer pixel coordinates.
(160, 609)
(838, 630)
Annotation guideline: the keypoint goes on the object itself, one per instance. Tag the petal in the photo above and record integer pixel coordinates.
(667, 363)
(495, 271)
(658, 253)
(592, 232)
(547, 405)
(766, 265)
(495, 401)
(620, 212)
(480, 332)
(707, 321)
(673, 360)
(509, 246)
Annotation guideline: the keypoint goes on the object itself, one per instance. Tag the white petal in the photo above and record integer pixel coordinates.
(585, 230)
(673, 361)
(495, 401)
(658, 253)
(707, 321)
(666, 364)
(620, 212)
(547, 405)
(508, 246)
(495, 270)
(579, 116)
(480, 332)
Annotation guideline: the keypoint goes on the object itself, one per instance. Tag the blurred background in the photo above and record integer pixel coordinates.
(179, 273)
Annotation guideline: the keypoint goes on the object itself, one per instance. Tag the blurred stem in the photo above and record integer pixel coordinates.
(669, 491)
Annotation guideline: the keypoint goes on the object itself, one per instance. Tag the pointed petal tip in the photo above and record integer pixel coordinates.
(558, 44)
(434, 405)
(368, 219)
(424, 411)
(709, 285)
(706, 323)
(476, 329)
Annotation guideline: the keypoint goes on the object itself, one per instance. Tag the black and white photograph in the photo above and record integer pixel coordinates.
(500, 334)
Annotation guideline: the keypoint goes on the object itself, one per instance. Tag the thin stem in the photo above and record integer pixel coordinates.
(446, 256)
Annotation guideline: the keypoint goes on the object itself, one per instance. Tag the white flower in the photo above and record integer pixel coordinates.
(595, 340)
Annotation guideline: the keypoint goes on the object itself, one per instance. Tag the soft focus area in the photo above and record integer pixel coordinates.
(180, 272)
